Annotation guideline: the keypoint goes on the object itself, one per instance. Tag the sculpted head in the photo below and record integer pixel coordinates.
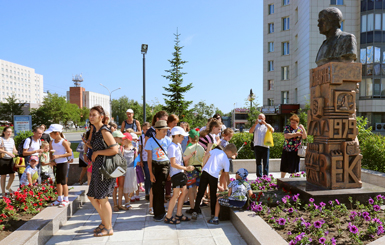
(329, 18)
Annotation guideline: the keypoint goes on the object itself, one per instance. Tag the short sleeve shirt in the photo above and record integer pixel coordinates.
(44, 158)
(239, 189)
(206, 140)
(24, 178)
(151, 132)
(293, 143)
(197, 159)
(157, 152)
(259, 135)
(9, 145)
(141, 142)
(34, 146)
(218, 160)
(175, 151)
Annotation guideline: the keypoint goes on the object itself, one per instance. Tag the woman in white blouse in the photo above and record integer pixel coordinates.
(7, 146)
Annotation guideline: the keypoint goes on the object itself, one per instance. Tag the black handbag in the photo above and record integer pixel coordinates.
(113, 166)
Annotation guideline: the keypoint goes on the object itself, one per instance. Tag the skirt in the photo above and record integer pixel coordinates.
(290, 162)
(6, 166)
(130, 183)
(139, 174)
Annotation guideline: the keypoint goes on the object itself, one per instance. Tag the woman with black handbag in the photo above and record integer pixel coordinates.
(101, 188)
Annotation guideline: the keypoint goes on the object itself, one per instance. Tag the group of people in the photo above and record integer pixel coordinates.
(190, 164)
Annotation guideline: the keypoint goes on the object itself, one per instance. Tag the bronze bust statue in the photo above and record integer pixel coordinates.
(339, 46)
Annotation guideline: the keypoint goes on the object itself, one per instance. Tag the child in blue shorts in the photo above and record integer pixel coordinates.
(237, 196)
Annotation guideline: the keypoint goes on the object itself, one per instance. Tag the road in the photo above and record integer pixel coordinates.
(73, 137)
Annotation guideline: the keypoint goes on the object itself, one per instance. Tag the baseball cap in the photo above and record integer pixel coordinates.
(127, 136)
(129, 111)
(193, 133)
(54, 128)
(178, 130)
(134, 136)
(117, 134)
(243, 173)
(34, 158)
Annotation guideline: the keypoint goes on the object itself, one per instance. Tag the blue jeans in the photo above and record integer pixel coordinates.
(262, 153)
(147, 180)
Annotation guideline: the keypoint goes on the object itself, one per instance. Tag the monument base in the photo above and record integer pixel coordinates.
(308, 190)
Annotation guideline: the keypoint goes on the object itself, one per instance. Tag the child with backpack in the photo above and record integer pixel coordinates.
(178, 177)
(239, 189)
(61, 152)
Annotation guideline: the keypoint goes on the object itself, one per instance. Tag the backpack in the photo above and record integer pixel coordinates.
(21, 145)
(113, 166)
(134, 127)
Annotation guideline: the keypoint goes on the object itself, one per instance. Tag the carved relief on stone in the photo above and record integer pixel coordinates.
(317, 107)
(345, 101)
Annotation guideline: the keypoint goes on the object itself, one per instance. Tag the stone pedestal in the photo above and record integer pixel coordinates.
(333, 161)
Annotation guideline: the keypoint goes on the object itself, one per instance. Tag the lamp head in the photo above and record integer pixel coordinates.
(144, 48)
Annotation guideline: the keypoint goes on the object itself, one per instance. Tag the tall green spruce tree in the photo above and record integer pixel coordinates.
(175, 102)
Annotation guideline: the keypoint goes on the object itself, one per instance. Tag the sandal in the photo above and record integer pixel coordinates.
(182, 218)
(128, 206)
(110, 232)
(116, 208)
(171, 220)
(99, 228)
(123, 208)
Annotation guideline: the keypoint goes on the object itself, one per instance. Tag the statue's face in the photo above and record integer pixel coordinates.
(323, 24)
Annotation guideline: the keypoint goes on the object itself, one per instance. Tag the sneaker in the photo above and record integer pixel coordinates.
(151, 211)
(132, 200)
(64, 204)
(213, 221)
(56, 203)
(186, 203)
(203, 205)
(137, 198)
(142, 189)
(194, 215)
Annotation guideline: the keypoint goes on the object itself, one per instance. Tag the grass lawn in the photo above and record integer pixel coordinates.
(73, 147)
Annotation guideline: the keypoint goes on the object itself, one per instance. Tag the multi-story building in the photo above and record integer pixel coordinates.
(21, 81)
(371, 103)
(88, 99)
(291, 42)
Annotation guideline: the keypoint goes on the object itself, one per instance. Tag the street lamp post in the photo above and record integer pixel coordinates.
(144, 49)
(251, 98)
(110, 97)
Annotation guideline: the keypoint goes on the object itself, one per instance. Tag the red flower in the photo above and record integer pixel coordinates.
(0, 222)
(4, 216)
(245, 143)
(41, 140)
(31, 193)
(197, 129)
(25, 208)
(34, 204)
(43, 188)
(41, 204)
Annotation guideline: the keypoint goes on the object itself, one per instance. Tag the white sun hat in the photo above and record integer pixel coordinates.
(54, 128)
(178, 130)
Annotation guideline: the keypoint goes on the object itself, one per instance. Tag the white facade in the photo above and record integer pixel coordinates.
(293, 43)
(92, 99)
(21, 81)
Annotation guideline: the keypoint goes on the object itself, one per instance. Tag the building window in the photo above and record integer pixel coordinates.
(270, 85)
(271, 27)
(285, 23)
(296, 15)
(377, 21)
(285, 48)
(369, 87)
(285, 73)
(270, 65)
(270, 102)
(370, 22)
(296, 96)
(336, 2)
(296, 68)
(271, 8)
(296, 42)
(285, 97)
(285, 2)
(271, 47)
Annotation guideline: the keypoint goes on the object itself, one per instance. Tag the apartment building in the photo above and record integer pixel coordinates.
(21, 81)
(291, 42)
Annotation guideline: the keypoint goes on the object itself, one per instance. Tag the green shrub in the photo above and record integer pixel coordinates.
(373, 152)
(246, 152)
(23, 135)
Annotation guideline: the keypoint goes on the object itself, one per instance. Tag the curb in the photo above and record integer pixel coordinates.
(253, 229)
(44, 225)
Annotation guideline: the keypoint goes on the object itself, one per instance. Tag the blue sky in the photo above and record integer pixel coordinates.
(222, 43)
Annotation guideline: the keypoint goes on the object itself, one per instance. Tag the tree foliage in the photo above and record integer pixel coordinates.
(254, 111)
(175, 102)
(11, 108)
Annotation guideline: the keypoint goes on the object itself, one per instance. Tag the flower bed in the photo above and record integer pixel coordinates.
(21, 205)
(305, 222)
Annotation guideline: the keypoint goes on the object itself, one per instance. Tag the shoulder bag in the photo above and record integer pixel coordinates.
(113, 166)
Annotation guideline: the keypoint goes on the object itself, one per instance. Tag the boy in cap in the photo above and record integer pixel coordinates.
(237, 196)
(178, 177)
(30, 172)
(213, 162)
(120, 180)
(159, 166)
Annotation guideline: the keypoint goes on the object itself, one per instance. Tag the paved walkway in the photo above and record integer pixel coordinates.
(136, 226)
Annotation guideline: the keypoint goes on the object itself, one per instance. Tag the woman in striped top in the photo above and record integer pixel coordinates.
(209, 136)
(7, 160)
